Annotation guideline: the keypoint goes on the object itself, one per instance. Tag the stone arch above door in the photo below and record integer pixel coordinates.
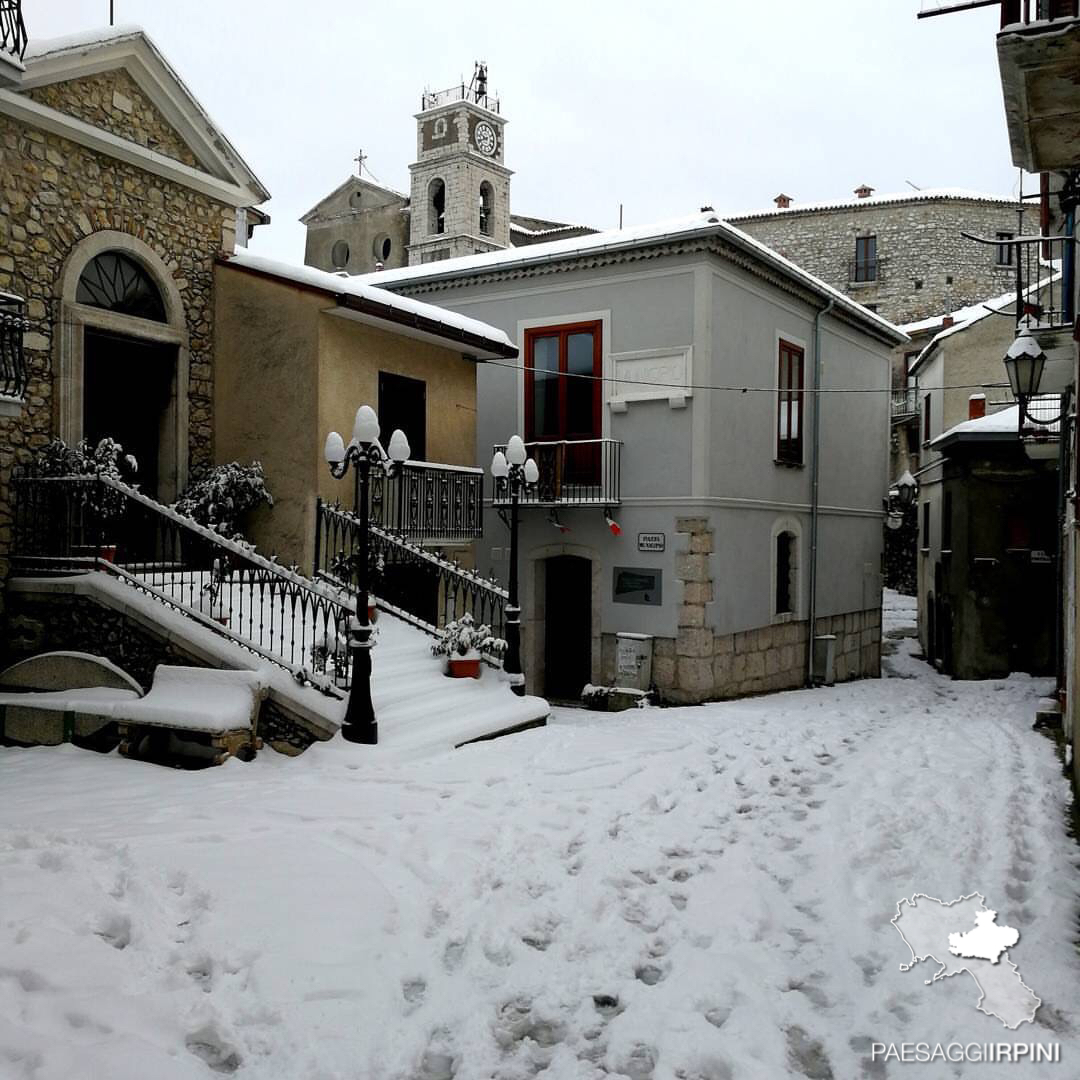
(75, 318)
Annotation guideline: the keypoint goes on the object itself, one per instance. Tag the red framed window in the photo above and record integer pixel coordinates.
(559, 405)
(790, 405)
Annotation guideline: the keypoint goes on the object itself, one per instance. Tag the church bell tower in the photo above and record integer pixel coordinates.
(460, 203)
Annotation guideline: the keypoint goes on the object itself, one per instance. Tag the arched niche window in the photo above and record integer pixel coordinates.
(436, 206)
(786, 535)
(487, 208)
(116, 282)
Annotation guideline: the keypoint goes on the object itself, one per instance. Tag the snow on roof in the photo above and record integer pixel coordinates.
(81, 39)
(674, 229)
(968, 316)
(877, 200)
(339, 285)
(514, 227)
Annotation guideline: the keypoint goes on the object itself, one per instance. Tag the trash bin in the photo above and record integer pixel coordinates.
(825, 659)
(633, 661)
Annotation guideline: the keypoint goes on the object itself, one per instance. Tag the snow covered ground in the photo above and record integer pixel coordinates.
(697, 893)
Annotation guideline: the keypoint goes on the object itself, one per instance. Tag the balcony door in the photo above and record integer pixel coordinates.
(403, 404)
(563, 396)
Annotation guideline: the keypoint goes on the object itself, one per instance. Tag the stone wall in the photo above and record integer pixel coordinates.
(701, 665)
(53, 193)
(114, 101)
(926, 267)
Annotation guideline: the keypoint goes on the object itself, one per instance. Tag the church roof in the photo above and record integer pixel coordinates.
(696, 226)
(222, 172)
(350, 183)
(469, 335)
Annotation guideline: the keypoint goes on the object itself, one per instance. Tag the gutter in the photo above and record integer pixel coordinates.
(815, 504)
(416, 321)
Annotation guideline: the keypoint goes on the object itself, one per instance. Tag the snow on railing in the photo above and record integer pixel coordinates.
(422, 586)
(91, 522)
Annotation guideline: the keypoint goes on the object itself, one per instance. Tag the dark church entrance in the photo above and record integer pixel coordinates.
(567, 627)
(127, 390)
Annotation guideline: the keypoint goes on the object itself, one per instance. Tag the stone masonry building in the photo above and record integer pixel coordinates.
(116, 196)
(902, 255)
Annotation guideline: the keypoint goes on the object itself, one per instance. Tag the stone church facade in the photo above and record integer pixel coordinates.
(116, 197)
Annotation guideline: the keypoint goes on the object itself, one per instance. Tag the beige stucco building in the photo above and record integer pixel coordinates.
(299, 350)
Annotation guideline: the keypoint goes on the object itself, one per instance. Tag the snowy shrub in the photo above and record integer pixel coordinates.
(219, 496)
(463, 637)
(107, 459)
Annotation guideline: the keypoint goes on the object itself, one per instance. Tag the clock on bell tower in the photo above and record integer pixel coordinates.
(460, 199)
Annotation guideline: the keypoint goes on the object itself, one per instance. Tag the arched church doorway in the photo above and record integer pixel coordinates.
(123, 358)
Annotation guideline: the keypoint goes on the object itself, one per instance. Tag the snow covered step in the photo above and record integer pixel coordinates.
(421, 711)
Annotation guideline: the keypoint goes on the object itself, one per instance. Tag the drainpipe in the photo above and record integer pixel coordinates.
(815, 475)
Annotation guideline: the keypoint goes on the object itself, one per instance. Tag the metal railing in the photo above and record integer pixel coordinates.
(420, 586)
(1025, 12)
(13, 324)
(582, 472)
(429, 501)
(1043, 413)
(12, 29)
(70, 524)
(866, 271)
(1044, 295)
(431, 99)
(905, 403)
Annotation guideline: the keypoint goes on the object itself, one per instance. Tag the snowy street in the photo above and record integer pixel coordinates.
(698, 893)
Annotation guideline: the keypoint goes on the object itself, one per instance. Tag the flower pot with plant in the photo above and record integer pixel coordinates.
(463, 642)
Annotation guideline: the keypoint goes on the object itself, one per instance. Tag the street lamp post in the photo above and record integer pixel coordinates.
(519, 472)
(363, 453)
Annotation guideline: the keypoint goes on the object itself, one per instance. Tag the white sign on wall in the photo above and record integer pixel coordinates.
(651, 541)
(651, 375)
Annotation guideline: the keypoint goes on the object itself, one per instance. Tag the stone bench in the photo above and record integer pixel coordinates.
(195, 712)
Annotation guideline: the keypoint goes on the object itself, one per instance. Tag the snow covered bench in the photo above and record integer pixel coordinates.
(196, 712)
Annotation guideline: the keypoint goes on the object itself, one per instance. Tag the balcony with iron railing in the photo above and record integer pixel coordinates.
(866, 271)
(13, 324)
(583, 472)
(905, 404)
(429, 502)
(1021, 13)
(12, 41)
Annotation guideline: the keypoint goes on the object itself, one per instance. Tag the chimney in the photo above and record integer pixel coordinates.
(782, 201)
(864, 191)
(976, 406)
(947, 322)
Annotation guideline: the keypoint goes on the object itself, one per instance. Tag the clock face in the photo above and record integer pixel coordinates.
(485, 139)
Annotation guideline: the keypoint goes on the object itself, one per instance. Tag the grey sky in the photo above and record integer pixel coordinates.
(661, 107)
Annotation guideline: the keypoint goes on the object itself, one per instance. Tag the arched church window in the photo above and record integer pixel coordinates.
(487, 208)
(116, 282)
(436, 206)
(339, 255)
